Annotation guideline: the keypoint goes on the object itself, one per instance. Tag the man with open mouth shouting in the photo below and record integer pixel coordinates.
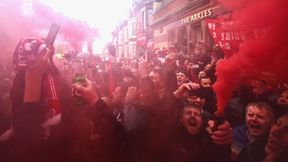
(192, 143)
(272, 149)
(259, 120)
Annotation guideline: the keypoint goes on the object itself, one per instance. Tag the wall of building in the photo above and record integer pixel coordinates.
(166, 24)
(182, 23)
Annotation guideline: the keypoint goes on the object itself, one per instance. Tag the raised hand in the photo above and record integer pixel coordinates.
(86, 90)
(143, 68)
(42, 63)
(132, 94)
(185, 87)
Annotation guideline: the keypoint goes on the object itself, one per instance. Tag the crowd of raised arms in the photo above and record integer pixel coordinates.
(155, 108)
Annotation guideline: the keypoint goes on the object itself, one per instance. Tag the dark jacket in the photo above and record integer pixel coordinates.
(162, 116)
(87, 135)
(197, 148)
(255, 152)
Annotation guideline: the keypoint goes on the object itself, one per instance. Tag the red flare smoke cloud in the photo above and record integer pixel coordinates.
(256, 55)
(19, 19)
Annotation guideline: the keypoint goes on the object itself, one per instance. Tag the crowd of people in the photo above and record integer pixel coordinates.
(146, 109)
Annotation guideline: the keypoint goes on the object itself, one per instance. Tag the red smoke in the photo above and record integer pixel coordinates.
(72, 30)
(15, 24)
(266, 53)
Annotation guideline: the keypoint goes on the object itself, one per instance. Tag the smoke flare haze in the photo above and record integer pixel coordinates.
(22, 18)
(265, 53)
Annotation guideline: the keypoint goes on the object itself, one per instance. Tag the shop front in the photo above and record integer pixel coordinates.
(186, 28)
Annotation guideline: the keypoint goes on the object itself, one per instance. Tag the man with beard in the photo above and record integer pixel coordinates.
(194, 144)
(259, 120)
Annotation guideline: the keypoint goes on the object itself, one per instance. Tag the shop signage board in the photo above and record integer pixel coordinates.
(197, 16)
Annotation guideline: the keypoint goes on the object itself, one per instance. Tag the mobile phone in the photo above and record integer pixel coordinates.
(52, 34)
(78, 100)
(211, 121)
(201, 92)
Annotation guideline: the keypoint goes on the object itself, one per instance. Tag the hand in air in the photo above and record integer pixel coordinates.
(42, 62)
(132, 94)
(184, 88)
(86, 90)
(143, 68)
